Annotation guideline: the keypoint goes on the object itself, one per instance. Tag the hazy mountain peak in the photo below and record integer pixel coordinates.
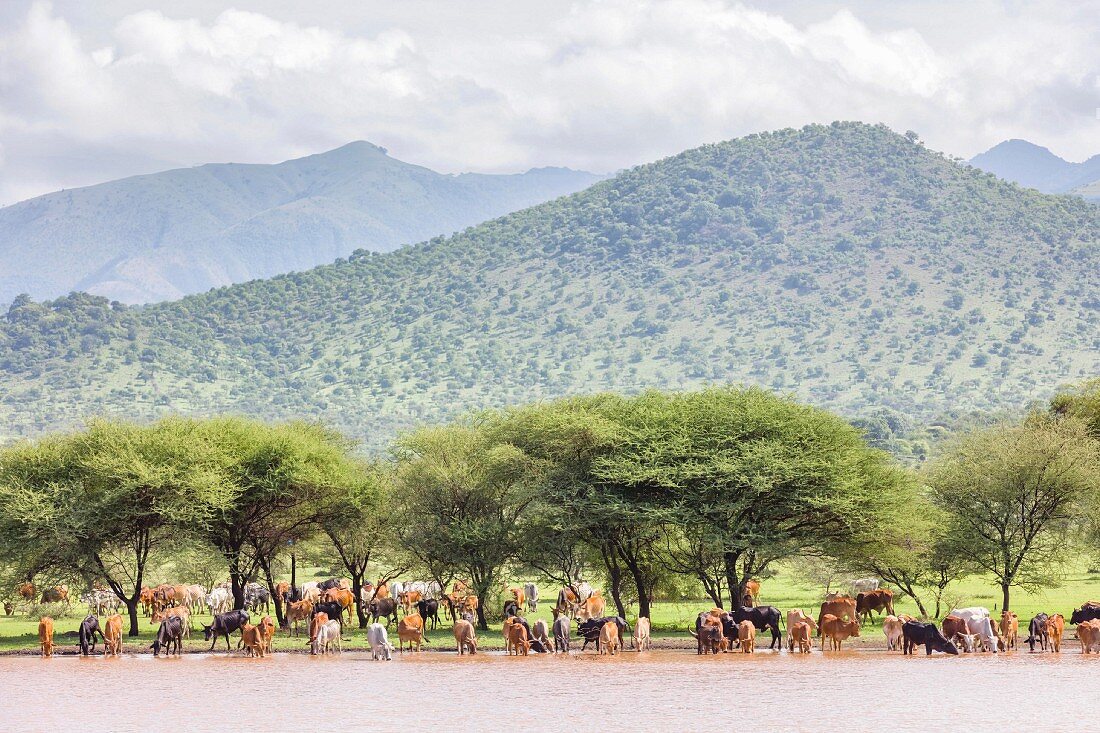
(1037, 167)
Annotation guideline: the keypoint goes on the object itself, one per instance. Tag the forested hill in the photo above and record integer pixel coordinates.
(165, 235)
(844, 263)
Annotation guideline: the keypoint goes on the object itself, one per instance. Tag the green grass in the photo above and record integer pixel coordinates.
(671, 620)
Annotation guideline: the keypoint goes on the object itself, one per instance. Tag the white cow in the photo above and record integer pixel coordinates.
(864, 585)
(978, 622)
(328, 637)
(219, 600)
(396, 588)
(532, 592)
(379, 641)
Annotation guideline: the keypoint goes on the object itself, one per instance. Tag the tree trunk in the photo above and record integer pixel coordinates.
(237, 581)
(614, 576)
(132, 609)
(733, 582)
(357, 589)
(639, 583)
(266, 567)
(1004, 596)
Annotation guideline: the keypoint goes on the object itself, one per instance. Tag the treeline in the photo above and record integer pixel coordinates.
(714, 486)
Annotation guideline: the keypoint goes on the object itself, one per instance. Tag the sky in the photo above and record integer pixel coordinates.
(92, 91)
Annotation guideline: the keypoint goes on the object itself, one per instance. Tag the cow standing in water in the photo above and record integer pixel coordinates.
(224, 625)
(86, 635)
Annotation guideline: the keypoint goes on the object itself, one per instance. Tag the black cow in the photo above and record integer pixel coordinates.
(510, 609)
(334, 610)
(89, 627)
(1037, 632)
(1087, 612)
(326, 584)
(170, 634)
(383, 607)
(429, 609)
(915, 632)
(224, 625)
(590, 629)
(762, 617)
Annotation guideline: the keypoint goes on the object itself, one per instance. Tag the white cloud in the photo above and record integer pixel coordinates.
(601, 84)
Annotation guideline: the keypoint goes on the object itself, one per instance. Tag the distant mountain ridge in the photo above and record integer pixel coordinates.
(164, 235)
(1036, 167)
(845, 264)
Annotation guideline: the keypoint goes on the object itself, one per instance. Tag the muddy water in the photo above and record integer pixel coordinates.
(666, 690)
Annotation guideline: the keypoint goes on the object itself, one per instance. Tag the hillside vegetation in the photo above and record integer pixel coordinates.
(165, 235)
(844, 263)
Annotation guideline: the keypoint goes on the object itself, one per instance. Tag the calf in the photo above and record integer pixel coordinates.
(380, 646)
(45, 635)
(746, 636)
(837, 630)
(561, 634)
(609, 638)
(224, 625)
(709, 638)
(86, 635)
(252, 637)
(465, 638)
(1010, 629)
(794, 616)
(1037, 631)
(891, 627)
(1056, 626)
(915, 632)
(267, 626)
(170, 634)
(519, 642)
(112, 636)
(801, 634)
(641, 640)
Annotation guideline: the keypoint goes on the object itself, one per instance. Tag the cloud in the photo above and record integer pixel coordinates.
(601, 84)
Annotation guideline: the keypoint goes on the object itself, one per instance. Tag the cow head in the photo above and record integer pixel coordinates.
(207, 632)
(942, 644)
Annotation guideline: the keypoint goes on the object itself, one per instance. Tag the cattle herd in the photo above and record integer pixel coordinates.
(414, 607)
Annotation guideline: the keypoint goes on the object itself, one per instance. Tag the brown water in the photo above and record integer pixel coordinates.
(661, 690)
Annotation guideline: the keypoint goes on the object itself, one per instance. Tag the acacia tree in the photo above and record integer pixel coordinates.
(101, 503)
(1011, 492)
(460, 498)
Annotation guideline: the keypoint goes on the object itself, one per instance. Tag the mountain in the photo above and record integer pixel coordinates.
(1036, 167)
(844, 263)
(161, 236)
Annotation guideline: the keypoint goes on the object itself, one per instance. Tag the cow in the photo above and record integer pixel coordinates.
(465, 638)
(256, 597)
(562, 627)
(641, 640)
(875, 600)
(410, 629)
(837, 630)
(196, 594)
(345, 598)
(180, 611)
(309, 592)
(1037, 631)
(1056, 627)
(982, 627)
(954, 626)
(380, 646)
(219, 600)
(752, 592)
(843, 607)
(541, 634)
(1087, 612)
(609, 638)
(267, 626)
(332, 609)
(746, 636)
(382, 589)
(795, 616)
(282, 592)
(383, 608)
(915, 632)
(296, 612)
(518, 640)
(112, 636)
(26, 591)
(146, 598)
(86, 635)
(170, 634)
(511, 608)
(252, 637)
(408, 599)
(1088, 633)
(224, 625)
(327, 638)
(864, 585)
(327, 584)
(532, 592)
(520, 598)
(428, 609)
(801, 634)
(891, 627)
(590, 629)
(709, 638)
(316, 623)
(45, 635)
(762, 617)
(568, 602)
(57, 594)
(1010, 629)
(592, 607)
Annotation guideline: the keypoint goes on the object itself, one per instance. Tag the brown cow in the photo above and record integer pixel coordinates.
(641, 638)
(794, 616)
(410, 629)
(520, 598)
(382, 590)
(57, 594)
(112, 636)
(843, 607)
(893, 628)
(746, 636)
(874, 600)
(518, 643)
(609, 638)
(465, 637)
(592, 607)
(146, 598)
(1088, 633)
(408, 599)
(1010, 629)
(1056, 627)
(319, 619)
(752, 592)
(342, 596)
(45, 635)
(801, 633)
(267, 626)
(181, 611)
(26, 591)
(837, 630)
(252, 637)
(298, 611)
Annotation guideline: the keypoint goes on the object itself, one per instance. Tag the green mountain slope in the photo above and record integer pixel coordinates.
(164, 235)
(844, 263)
